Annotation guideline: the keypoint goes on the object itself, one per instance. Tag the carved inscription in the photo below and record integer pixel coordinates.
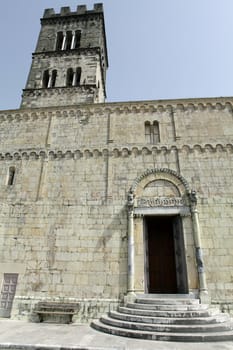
(160, 202)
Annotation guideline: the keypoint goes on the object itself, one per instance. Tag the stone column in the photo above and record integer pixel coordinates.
(73, 40)
(198, 249)
(130, 252)
(74, 78)
(50, 81)
(131, 287)
(63, 47)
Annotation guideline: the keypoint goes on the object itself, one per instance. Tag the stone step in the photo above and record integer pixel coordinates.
(163, 336)
(166, 296)
(166, 328)
(167, 307)
(168, 314)
(220, 318)
(167, 301)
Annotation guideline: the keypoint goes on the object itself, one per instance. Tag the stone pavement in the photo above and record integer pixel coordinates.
(40, 336)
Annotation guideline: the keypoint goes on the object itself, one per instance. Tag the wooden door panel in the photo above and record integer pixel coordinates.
(7, 294)
(161, 257)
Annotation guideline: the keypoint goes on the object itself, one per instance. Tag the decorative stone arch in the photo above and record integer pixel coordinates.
(160, 174)
(156, 192)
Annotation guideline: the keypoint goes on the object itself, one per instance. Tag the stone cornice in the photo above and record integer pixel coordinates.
(73, 52)
(124, 152)
(60, 90)
(134, 107)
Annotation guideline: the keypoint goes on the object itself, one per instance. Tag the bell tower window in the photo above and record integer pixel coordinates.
(73, 78)
(69, 77)
(60, 37)
(53, 78)
(68, 40)
(49, 80)
(68, 43)
(45, 80)
(78, 76)
(77, 39)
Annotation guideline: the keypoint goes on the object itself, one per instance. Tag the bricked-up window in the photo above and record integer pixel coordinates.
(60, 37)
(152, 135)
(11, 176)
(45, 80)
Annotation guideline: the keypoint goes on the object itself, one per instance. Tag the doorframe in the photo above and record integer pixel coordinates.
(186, 204)
(182, 281)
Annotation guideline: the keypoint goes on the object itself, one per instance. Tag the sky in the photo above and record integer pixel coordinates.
(157, 49)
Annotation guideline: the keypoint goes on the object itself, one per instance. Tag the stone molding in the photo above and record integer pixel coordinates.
(221, 104)
(81, 51)
(161, 173)
(60, 91)
(115, 153)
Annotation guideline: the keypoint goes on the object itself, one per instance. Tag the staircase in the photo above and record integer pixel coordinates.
(168, 318)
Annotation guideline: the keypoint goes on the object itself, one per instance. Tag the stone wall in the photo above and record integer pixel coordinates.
(64, 220)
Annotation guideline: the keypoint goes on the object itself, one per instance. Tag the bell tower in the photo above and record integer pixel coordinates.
(70, 61)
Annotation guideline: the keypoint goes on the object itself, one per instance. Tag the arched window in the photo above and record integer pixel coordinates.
(69, 77)
(11, 176)
(155, 132)
(77, 39)
(69, 40)
(53, 78)
(60, 37)
(152, 135)
(147, 132)
(78, 76)
(45, 80)
(69, 37)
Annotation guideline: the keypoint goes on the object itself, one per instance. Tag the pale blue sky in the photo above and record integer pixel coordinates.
(158, 49)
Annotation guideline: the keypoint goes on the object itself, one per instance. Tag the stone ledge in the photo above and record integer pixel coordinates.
(113, 152)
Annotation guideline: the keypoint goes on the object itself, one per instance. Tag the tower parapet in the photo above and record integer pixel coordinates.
(65, 11)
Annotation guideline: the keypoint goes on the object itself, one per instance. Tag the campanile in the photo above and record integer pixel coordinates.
(70, 61)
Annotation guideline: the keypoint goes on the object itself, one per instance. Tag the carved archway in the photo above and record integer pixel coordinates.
(160, 173)
(157, 192)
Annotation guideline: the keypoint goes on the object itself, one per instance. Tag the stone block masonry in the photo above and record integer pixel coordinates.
(64, 219)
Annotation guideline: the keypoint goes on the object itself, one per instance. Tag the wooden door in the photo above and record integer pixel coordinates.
(161, 255)
(7, 294)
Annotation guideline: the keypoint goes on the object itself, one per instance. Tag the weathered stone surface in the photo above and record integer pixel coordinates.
(65, 211)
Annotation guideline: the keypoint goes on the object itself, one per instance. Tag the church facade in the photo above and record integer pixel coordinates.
(101, 201)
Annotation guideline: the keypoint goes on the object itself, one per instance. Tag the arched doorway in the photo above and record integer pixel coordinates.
(162, 249)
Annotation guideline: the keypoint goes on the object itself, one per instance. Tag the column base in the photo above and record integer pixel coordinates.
(204, 297)
(130, 297)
